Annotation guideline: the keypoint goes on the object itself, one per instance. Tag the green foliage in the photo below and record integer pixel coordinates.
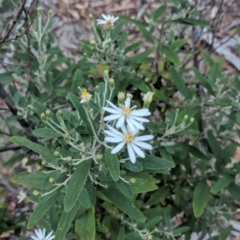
(80, 188)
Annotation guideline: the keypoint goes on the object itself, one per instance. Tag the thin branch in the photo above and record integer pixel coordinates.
(14, 22)
(9, 147)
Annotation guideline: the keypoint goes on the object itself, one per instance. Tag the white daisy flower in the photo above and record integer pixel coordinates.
(147, 98)
(134, 118)
(107, 20)
(21, 196)
(134, 143)
(40, 235)
(85, 96)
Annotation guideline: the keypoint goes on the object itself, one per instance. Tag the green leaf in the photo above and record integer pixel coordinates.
(85, 225)
(6, 78)
(158, 196)
(125, 188)
(171, 56)
(140, 186)
(65, 223)
(178, 81)
(75, 185)
(140, 84)
(63, 74)
(84, 198)
(136, 167)
(35, 147)
(191, 22)
(200, 198)
(77, 81)
(178, 43)
(46, 133)
(42, 208)
(234, 190)
(214, 145)
(155, 163)
(30, 180)
(159, 12)
(112, 163)
(141, 56)
(207, 58)
(221, 184)
(39, 107)
(121, 234)
(122, 202)
(203, 81)
(180, 230)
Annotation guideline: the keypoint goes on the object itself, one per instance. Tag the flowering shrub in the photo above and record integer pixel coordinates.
(125, 142)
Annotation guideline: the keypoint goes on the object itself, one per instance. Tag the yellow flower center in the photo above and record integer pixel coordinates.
(129, 138)
(109, 24)
(126, 111)
(85, 94)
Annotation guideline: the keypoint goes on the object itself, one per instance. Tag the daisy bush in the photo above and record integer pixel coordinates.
(133, 140)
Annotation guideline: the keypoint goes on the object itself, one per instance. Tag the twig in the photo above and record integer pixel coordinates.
(8, 32)
(9, 147)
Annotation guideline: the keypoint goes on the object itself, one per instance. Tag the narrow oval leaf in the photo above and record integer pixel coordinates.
(172, 56)
(125, 188)
(46, 133)
(112, 163)
(178, 81)
(35, 147)
(234, 190)
(159, 12)
(85, 225)
(84, 198)
(42, 208)
(35, 180)
(200, 198)
(75, 185)
(65, 223)
(140, 186)
(221, 184)
(122, 202)
(155, 163)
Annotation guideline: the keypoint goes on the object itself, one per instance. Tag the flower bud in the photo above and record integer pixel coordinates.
(43, 116)
(50, 13)
(69, 159)
(51, 180)
(121, 97)
(111, 83)
(149, 237)
(36, 193)
(44, 163)
(129, 95)
(106, 75)
(192, 120)
(48, 113)
(90, 16)
(132, 180)
(185, 117)
(66, 137)
(59, 112)
(97, 89)
(147, 98)
(57, 154)
(99, 157)
(92, 42)
(39, 9)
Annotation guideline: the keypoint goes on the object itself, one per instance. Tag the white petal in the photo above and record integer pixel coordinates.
(111, 117)
(34, 238)
(141, 112)
(115, 139)
(144, 138)
(111, 134)
(139, 119)
(143, 145)
(105, 16)
(124, 130)
(100, 21)
(138, 151)
(137, 124)
(39, 233)
(111, 110)
(115, 107)
(115, 19)
(49, 237)
(130, 125)
(114, 131)
(131, 153)
(120, 122)
(118, 148)
(127, 102)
